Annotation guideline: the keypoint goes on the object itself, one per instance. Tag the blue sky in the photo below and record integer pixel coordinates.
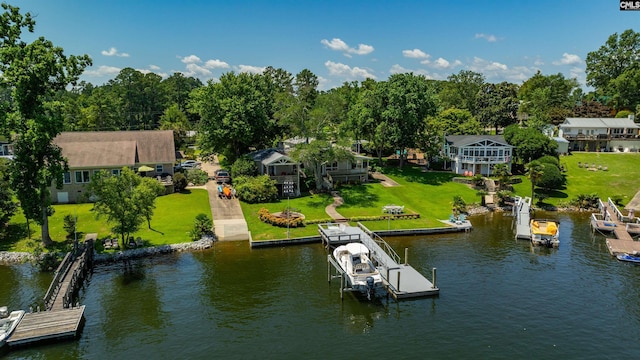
(337, 40)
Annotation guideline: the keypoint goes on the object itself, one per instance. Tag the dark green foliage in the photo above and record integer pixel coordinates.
(586, 201)
(8, 205)
(552, 178)
(529, 143)
(197, 177)
(259, 189)
(549, 159)
(459, 205)
(202, 226)
(179, 182)
(244, 166)
(69, 225)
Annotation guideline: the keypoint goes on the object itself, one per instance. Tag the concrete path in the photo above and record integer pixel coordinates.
(331, 209)
(384, 180)
(228, 219)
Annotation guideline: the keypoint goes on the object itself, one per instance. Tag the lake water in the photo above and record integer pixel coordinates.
(499, 299)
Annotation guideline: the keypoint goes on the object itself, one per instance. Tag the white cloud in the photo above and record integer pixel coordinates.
(441, 63)
(496, 72)
(568, 59)
(154, 67)
(191, 59)
(415, 54)
(538, 62)
(113, 52)
(349, 73)
(197, 70)
(103, 71)
(397, 69)
(339, 45)
(250, 69)
(216, 64)
(489, 38)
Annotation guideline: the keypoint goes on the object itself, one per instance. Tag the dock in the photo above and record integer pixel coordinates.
(401, 280)
(521, 211)
(61, 319)
(47, 325)
(611, 220)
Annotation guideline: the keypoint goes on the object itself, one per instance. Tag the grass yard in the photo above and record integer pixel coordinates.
(620, 178)
(173, 219)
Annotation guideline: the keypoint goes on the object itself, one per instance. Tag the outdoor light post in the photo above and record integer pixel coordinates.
(288, 189)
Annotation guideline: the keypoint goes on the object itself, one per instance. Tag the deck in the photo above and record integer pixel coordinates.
(612, 220)
(47, 325)
(402, 280)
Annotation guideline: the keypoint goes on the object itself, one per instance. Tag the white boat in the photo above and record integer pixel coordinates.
(8, 323)
(545, 233)
(362, 276)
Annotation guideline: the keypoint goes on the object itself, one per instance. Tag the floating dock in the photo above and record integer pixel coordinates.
(611, 220)
(521, 212)
(401, 279)
(47, 325)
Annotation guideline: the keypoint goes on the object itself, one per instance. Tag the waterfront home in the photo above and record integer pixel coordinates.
(92, 151)
(280, 168)
(601, 134)
(476, 154)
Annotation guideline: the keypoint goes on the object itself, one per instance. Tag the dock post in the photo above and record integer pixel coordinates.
(329, 268)
(398, 287)
(341, 286)
(406, 256)
(433, 277)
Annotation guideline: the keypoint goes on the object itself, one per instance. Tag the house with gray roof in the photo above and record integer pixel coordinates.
(601, 134)
(476, 154)
(280, 168)
(88, 152)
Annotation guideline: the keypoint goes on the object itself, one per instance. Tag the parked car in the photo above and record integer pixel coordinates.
(222, 176)
(188, 165)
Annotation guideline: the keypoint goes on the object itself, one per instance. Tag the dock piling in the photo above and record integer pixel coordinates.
(406, 256)
(433, 277)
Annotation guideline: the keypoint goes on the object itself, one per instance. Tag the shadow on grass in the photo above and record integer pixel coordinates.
(557, 194)
(358, 196)
(12, 235)
(415, 174)
(157, 231)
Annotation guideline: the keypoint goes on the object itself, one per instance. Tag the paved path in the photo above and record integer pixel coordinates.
(228, 219)
(384, 180)
(331, 209)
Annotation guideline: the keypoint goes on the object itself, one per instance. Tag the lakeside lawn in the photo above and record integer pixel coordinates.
(172, 220)
(620, 178)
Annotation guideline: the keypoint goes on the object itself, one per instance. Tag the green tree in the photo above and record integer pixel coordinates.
(34, 72)
(461, 91)
(174, 119)
(547, 99)
(552, 178)
(534, 171)
(8, 205)
(503, 174)
(455, 122)
(497, 105)
(295, 109)
(244, 166)
(364, 118)
(126, 200)
(529, 143)
(202, 226)
(317, 153)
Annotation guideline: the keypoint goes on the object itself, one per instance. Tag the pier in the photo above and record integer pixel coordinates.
(611, 220)
(61, 319)
(521, 211)
(401, 280)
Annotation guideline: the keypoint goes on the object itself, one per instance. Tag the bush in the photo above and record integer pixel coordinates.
(266, 217)
(585, 201)
(179, 182)
(197, 177)
(202, 226)
(552, 177)
(244, 167)
(69, 225)
(253, 190)
(548, 159)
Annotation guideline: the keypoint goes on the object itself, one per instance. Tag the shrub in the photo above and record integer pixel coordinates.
(266, 217)
(259, 189)
(585, 201)
(197, 177)
(243, 167)
(69, 225)
(551, 178)
(548, 159)
(179, 182)
(201, 226)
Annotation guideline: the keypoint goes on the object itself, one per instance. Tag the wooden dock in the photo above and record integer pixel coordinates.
(401, 280)
(521, 211)
(611, 220)
(47, 325)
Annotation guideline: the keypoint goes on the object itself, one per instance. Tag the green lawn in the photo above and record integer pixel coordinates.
(620, 178)
(173, 219)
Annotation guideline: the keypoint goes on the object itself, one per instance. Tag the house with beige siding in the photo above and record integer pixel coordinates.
(89, 152)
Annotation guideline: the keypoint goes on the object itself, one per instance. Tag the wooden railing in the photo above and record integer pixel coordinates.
(54, 287)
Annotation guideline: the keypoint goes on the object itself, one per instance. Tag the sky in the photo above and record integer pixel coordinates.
(338, 40)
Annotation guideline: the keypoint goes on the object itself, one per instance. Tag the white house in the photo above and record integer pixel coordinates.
(477, 154)
(601, 134)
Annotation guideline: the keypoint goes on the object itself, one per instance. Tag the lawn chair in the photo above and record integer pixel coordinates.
(114, 243)
(106, 243)
(579, 164)
(132, 242)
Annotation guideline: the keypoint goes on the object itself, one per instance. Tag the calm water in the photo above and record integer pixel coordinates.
(499, 299)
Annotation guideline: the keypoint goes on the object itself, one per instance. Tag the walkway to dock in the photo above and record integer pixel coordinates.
(613, 221)
(521, 211)
(402, 280)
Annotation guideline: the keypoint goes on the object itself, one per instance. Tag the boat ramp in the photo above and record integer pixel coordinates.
(401, 280)
(610, 220)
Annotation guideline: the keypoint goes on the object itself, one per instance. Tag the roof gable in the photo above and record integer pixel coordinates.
(476, 140)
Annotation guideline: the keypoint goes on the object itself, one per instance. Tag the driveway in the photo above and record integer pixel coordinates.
(228, 220)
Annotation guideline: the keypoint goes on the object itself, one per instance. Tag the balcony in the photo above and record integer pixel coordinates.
(483, 159)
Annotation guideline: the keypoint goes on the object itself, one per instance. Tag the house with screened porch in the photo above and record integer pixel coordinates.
(476, 154)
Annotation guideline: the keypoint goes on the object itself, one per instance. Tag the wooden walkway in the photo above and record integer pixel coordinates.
(47, 325)
(623, 242)
(402, 280)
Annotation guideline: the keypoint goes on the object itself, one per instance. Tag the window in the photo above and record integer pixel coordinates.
(82, 176)
(66, 178)
(115, 172)
(159, 168)
(332, 167)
